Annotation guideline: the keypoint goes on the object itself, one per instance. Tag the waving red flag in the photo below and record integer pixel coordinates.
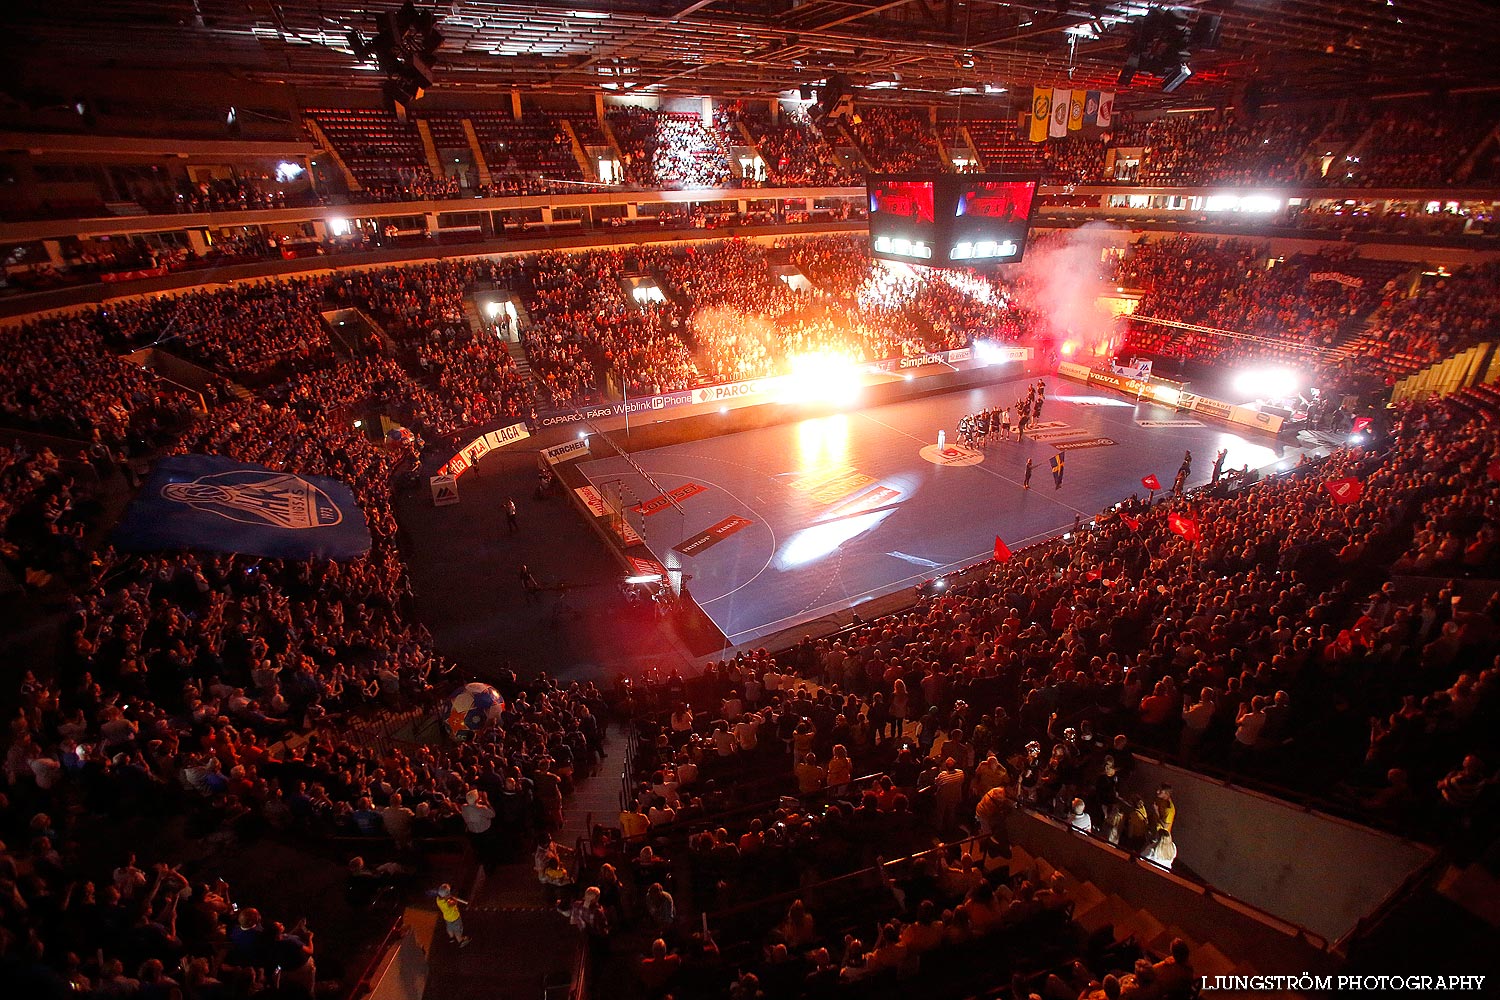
(1151, 483)
(1093, 574)
(1361, 424)
(1184, 526)
(1346, 490)
(1002, 551)
(1133, 523)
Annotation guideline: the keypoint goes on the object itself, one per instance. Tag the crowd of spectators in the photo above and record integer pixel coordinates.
(795, 150)
(1284, 310)
(232, 194)
(222, 688)
(1236, 643)
(58, 375)
(1244, 642)
(1447, 313)
(1406, 149)
(249, 329)
(409, 183)
(1218, 147)
(895, 140)
(669, 150)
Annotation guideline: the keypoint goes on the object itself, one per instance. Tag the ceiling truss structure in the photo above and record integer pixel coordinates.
(919, 51)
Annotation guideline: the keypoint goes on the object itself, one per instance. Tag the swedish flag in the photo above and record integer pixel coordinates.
(1057, 470)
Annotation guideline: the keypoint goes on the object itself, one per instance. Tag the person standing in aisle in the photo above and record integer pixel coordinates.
(450, 906)
(1026, 479)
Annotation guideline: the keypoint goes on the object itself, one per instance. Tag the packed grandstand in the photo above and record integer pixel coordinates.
(237, 772)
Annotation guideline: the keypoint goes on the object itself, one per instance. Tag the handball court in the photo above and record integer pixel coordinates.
(780, 526)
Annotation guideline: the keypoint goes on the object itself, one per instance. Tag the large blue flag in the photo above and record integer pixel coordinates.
(215, 503)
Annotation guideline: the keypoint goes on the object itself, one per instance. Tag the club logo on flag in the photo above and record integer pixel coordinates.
(1061, 101)
(1184, 526)
(1041, 113)
(282, 501)
(1151, 483)
(1346, 490)
(217, 504)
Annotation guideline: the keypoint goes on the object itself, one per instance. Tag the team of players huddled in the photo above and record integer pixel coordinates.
(976, 429)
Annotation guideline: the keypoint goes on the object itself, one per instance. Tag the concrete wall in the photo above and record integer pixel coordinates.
(1306, 867)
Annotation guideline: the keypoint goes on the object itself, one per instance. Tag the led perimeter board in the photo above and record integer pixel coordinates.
(943, 220)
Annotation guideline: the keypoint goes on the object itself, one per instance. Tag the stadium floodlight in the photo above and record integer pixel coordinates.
(1267, 383)
(989, 353)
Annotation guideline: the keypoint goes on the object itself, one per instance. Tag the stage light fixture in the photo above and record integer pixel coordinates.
(1161, 47)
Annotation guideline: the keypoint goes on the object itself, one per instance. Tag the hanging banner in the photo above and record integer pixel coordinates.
(1091, 108)
(1041, 112)
(1075, 110)
(1061, 100)
(1106, 115)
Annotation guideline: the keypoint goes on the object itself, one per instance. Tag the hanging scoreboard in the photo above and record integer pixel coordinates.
(950, 220)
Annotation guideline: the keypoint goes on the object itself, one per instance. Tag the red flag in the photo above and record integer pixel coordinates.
(1493, 470)
(1093, 575)
(1362, 423)
(1346, 490)
(1151, 483)
(1133, 523)
(1184, 526)
(1002, 551)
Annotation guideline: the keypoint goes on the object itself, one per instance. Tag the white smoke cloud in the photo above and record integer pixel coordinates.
(1061, 279)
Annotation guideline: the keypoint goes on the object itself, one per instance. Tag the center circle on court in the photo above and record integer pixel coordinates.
(951, 454)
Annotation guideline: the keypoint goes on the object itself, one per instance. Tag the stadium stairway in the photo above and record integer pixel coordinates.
(325, 146)
(590, 173)
(1094, 910)
(1470, 367)
(429, 148)
(853, 143)
(477, 151)
(609, 137)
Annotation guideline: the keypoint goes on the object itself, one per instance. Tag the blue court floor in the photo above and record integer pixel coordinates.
(845, 508)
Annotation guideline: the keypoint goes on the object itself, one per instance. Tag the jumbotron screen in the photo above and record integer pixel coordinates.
(963, 220)
(990, 221)
(903, 218)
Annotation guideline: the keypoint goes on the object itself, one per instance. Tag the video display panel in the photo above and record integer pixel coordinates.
(990, 221)
(903, 218)
(965, 220)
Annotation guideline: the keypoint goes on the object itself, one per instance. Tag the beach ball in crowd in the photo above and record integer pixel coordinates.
(473, 707)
